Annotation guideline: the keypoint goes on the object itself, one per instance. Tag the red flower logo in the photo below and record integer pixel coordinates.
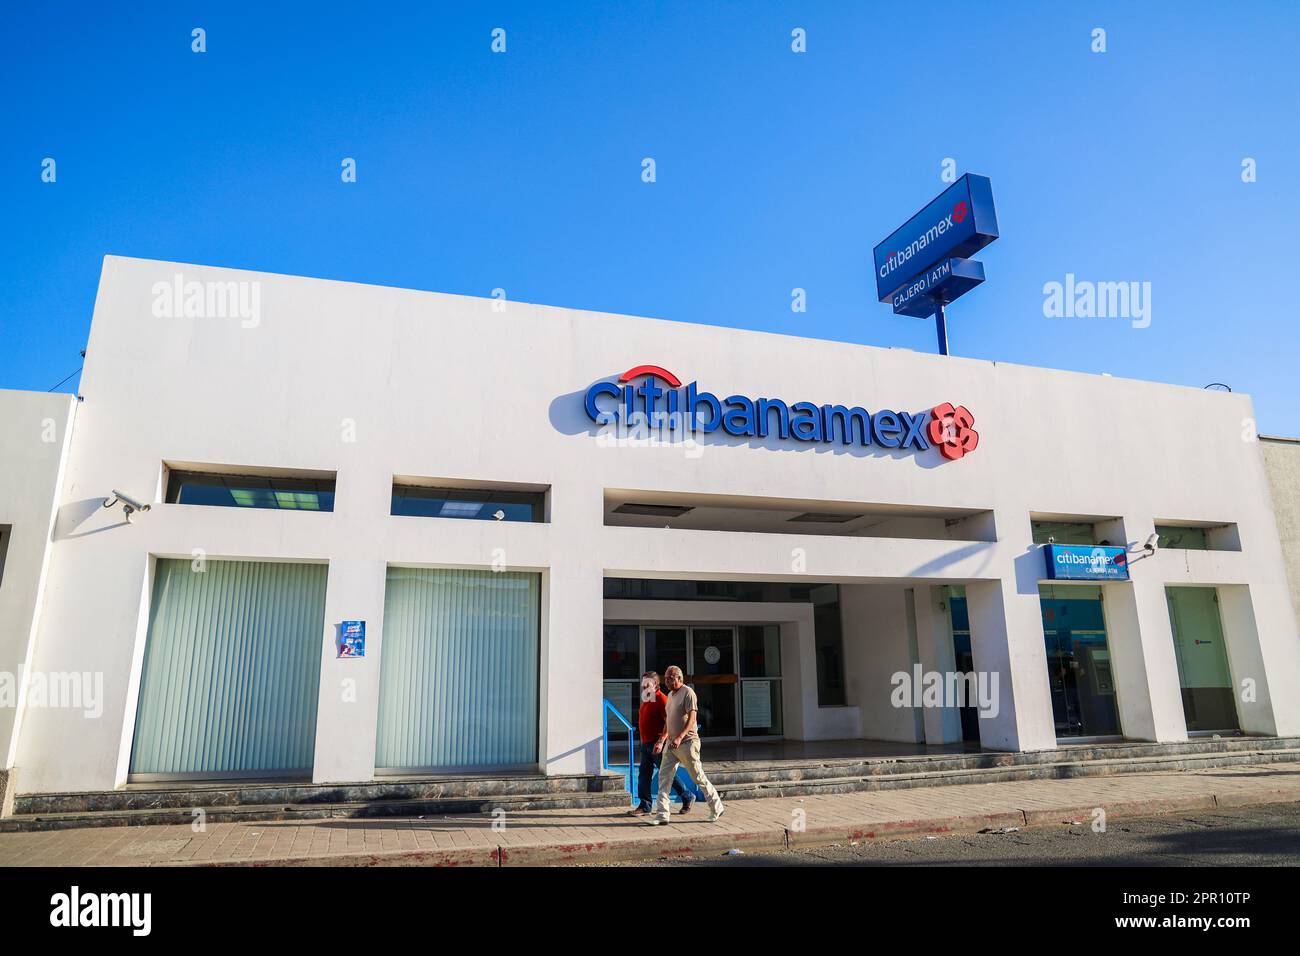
(951, 430)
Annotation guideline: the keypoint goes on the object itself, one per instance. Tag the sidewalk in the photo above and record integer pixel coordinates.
(587, 836)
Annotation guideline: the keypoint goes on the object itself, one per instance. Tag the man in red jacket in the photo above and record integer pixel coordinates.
(652, 727)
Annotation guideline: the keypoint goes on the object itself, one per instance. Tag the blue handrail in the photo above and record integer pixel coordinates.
(605, 712)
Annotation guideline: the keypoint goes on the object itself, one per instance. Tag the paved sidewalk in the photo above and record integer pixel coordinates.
(587, 836)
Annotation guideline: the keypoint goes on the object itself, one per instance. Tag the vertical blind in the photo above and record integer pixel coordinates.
(459, 671)
(231, 670)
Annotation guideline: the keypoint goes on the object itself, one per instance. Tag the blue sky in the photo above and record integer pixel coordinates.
(775, 170)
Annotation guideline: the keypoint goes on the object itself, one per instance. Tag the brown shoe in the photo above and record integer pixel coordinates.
(686, 807)
(637, 812)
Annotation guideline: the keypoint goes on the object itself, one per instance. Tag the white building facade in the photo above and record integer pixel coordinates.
(317, 454)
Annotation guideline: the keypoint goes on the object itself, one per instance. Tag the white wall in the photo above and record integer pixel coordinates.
(444, 386)
(1282, 461)
(35, 432)
(875, 649)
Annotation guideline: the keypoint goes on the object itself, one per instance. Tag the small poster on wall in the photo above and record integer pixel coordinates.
(756, 703)
(352, 639)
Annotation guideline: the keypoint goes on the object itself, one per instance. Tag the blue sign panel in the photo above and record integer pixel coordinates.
(946, 282)
(957, 224)
(1085, 562)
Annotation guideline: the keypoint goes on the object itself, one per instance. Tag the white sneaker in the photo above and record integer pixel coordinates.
(713, 816)
(654, 822)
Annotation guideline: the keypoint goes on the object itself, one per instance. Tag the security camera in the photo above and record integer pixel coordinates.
(1151, 544)
(129, 504)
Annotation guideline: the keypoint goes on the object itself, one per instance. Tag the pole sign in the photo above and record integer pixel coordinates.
(950, 279)
(955, 225)
(1085, 562)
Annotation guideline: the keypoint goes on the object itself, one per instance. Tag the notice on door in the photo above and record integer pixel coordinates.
(756, 703)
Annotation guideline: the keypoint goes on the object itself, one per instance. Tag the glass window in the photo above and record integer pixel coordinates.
(1062, 532)
(963, 658)
(231, 670)
(622, 652)
(250, 491)
(1186, 539)
(760, 684)
(664, 647)
(760, 650)
(829, 642)
(483, 504)
(458, 677)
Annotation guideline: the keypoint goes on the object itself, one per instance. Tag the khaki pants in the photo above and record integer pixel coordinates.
(688, 755)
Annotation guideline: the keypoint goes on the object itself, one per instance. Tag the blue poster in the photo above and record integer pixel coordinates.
(352, 639)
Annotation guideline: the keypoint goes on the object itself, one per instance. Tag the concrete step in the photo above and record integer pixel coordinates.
(313, 811)
(809, 769)
(213, 794)
(791, 786)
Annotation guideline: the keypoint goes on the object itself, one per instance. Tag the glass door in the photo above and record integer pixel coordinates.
(760, 680)
(713, 675)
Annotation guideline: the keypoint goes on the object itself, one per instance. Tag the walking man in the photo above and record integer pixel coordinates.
(652, 722)
(682, 746)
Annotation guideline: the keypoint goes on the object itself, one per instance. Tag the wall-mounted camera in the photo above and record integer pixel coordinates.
(129, 505)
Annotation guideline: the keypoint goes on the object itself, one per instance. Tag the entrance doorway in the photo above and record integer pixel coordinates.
(1079, 672)
(735, 670)
(1204, 677)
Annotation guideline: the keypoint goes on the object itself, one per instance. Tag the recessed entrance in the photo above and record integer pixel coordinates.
(735, 670)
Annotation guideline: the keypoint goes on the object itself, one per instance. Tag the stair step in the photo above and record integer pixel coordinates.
(837, 768)
(212, 795)
(150, 816)
(1037, 771)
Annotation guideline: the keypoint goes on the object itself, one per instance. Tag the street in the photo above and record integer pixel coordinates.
(1267, 835)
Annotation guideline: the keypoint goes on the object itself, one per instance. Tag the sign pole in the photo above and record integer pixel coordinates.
(941, 328)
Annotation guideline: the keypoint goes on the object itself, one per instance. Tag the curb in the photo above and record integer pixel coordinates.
(893, 829)
(1129, 808)
(677, 845)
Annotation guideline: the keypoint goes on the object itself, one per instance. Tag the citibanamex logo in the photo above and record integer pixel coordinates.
(952, 430)
(959, 211)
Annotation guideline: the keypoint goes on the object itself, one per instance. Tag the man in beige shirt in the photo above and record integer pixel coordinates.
(681, 745)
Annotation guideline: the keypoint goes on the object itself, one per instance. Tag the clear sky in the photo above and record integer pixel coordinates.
(775, 170)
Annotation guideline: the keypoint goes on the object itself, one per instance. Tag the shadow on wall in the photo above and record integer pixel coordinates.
(569, 417)
(76, 513)
(938, 565)
(593, 750)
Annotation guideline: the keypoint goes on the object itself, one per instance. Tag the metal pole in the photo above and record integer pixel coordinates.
(941, 329)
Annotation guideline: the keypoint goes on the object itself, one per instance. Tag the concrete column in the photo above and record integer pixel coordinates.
(571, 653)
(1006, 626)
(347, 709)
(1141, 643)
(1258, 646)
(934, 642)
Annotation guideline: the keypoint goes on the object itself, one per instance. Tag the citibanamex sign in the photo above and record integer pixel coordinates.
(651, 396)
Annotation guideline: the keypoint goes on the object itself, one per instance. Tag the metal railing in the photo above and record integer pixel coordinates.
(631, 752)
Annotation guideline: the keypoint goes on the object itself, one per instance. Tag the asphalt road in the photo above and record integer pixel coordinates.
(1252, 836)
